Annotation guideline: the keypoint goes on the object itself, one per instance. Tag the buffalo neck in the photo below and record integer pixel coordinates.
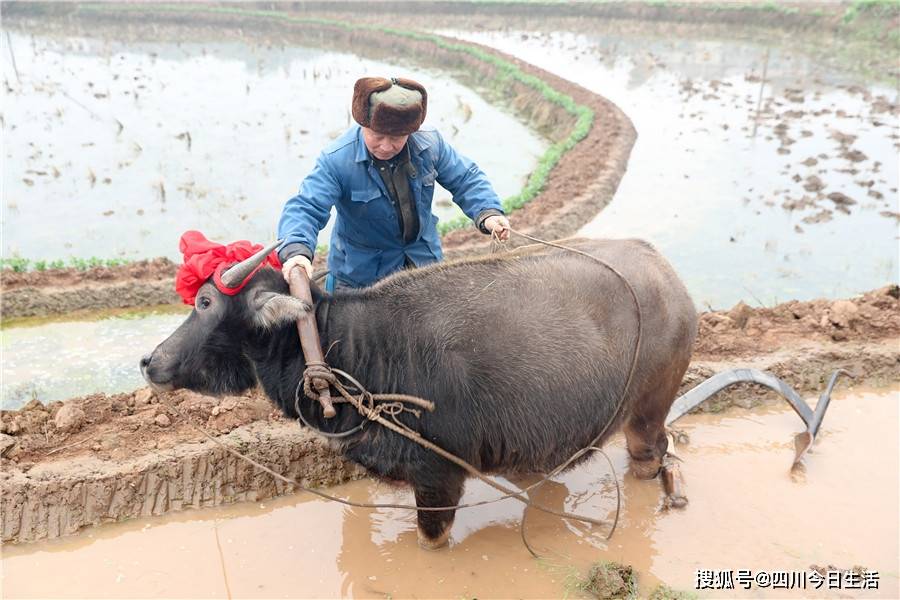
(279, 361)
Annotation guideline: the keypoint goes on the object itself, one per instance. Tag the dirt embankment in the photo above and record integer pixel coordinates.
(109, 458)
(103, 459)
(744, 331)
(62, 291)
(802, 343)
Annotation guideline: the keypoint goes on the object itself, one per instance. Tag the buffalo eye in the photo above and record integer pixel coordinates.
(203, 303)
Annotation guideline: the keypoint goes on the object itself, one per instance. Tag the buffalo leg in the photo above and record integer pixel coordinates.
(647, 445)
(434, 526)
(645, 429)
(648, 440)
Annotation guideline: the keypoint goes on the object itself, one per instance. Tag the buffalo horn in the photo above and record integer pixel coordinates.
(236, 274)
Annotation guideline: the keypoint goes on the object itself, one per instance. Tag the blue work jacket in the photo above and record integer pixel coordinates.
(367, 243)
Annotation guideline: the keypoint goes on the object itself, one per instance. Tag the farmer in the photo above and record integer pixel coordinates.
(380, 175)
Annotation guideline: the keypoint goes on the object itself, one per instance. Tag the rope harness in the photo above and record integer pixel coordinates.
(374, 407)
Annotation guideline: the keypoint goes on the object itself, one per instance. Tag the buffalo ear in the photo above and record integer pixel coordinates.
(271, 309)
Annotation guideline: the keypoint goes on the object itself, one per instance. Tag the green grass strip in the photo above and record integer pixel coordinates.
(18, 264)
(551, 157)
(878, 8)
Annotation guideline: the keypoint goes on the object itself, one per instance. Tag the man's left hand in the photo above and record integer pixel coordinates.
(498, 225)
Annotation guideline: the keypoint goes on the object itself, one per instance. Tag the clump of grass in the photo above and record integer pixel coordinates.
(92, 262)
(15, 264)
(610, 580)
(664, 592)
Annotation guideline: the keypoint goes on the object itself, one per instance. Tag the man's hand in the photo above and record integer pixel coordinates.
(296, 261)
(498, 225)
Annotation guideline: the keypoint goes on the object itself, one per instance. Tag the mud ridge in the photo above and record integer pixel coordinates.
(97, 463)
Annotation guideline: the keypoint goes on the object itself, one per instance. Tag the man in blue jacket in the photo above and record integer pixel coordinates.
(380, 176)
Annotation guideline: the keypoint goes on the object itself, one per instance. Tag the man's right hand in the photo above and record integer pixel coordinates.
(296, 261)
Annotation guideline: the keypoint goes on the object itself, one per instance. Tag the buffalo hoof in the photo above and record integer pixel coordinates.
(435, 543)
(673, 501)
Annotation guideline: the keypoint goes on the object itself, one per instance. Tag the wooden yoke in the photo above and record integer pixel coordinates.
(309, 337)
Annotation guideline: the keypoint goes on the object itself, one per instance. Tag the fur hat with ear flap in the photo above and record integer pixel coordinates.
(393, 106)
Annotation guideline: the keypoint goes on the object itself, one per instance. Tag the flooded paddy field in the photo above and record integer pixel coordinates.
(137, 141)
(98, 353)
(745, 512)
(762, 173)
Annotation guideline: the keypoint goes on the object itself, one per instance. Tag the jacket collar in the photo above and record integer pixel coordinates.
(418, 142)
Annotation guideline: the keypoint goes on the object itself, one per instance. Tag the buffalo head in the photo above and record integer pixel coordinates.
(208, 352)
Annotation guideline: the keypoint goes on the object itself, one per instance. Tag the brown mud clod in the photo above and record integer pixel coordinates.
(610, 580)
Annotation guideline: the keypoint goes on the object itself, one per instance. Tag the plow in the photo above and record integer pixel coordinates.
(811, 417)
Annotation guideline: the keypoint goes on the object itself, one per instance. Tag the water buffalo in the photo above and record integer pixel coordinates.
(525, 355)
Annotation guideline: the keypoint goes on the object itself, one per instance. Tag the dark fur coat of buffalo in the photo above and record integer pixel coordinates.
(525, 355)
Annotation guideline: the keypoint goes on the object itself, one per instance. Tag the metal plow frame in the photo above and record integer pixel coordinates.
(812, 418)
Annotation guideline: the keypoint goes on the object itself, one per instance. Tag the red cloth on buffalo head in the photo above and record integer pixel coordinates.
(203, 259)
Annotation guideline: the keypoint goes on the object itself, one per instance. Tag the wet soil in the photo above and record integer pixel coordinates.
(113, 427)
(104, 458)
(745, 331)
(745, 512)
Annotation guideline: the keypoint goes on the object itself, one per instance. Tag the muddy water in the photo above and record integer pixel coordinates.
(59, 360)
(745, 512)
(134, 142)
(730, 134)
